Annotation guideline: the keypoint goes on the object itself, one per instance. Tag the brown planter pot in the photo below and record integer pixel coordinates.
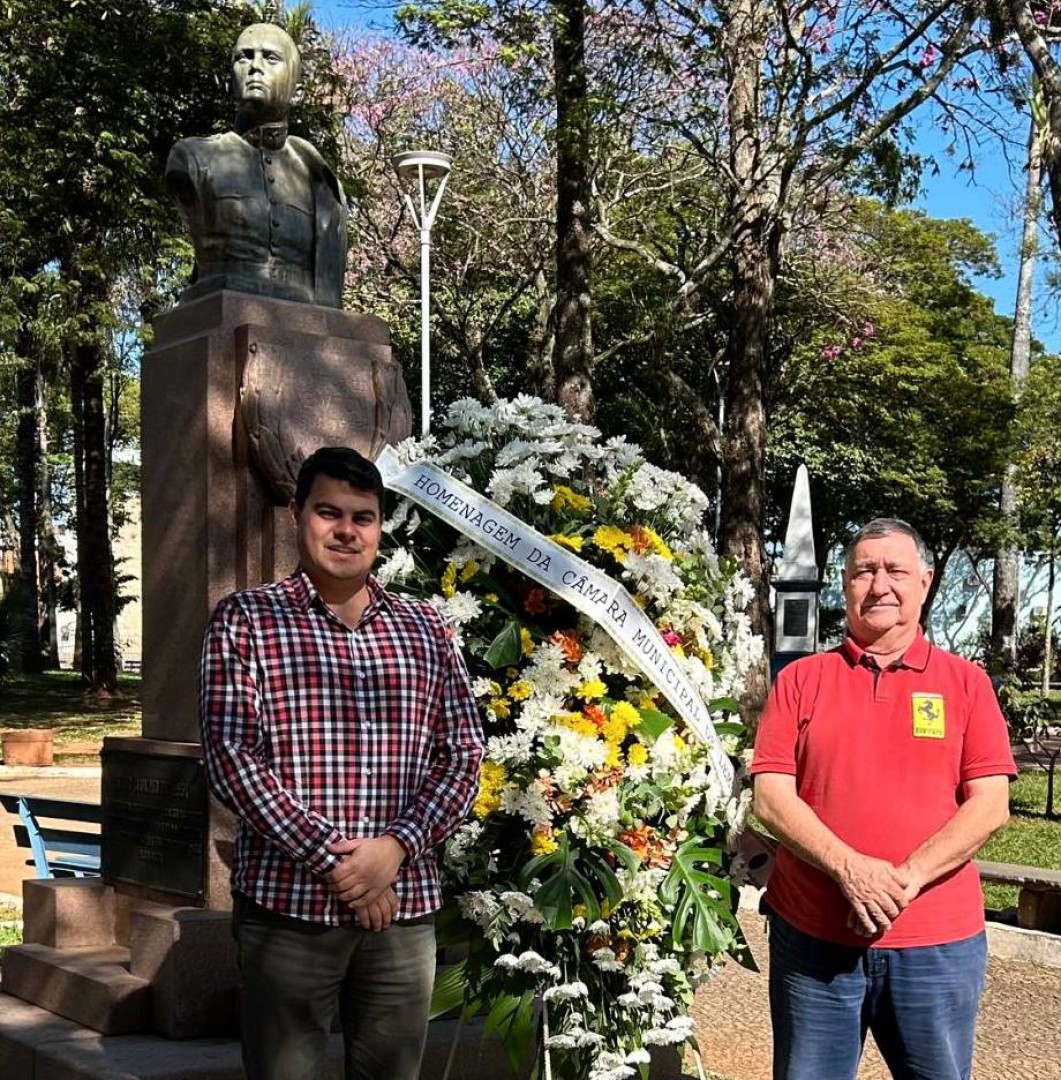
(30, 747)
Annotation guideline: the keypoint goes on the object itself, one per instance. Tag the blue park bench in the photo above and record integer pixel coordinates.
(56, 851)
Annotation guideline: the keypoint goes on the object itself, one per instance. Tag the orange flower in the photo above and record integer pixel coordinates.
(596, 714)
(568, 641)
(647, 845)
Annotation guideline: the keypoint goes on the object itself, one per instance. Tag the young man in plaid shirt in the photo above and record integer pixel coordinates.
(339, 725)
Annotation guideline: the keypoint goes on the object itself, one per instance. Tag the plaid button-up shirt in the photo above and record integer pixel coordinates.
(313, 731)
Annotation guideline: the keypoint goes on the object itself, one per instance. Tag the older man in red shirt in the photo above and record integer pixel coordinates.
(882, 766)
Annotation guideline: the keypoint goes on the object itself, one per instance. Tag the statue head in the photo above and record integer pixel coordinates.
(265, 70)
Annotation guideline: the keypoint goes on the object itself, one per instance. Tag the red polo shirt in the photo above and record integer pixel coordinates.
(881, 757)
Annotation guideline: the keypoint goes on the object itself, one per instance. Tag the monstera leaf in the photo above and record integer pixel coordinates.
(574, 876)
(703, 919)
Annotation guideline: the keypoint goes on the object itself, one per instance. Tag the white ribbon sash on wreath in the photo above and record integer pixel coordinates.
(583, 586)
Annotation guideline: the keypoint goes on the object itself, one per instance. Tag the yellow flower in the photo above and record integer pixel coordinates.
(679, 744)
(572, 542)
(520, 691)
(449, 580)
(501, 708)
(678, 650)
(576, 721)
(491, 598)
(637, 755)
(565, 498)
(526, 642)
(624, 711)
(614, 541)
(543, 841)
(591, 690)
(491, 783)
(471, 568)
(622, 717)
(613, 759)
(707, 658)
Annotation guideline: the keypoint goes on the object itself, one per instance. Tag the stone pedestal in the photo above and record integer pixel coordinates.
(236, 391)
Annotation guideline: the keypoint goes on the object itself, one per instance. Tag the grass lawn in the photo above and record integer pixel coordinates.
(1027, 838)
(79, 719)
(10, 927)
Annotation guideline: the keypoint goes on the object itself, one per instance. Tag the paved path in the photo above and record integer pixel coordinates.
(1018, 1037)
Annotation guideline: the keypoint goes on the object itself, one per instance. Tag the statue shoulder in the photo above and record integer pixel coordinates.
(317, 166)
(198, 149)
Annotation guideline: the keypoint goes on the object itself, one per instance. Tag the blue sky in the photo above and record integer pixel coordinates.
(991, 197)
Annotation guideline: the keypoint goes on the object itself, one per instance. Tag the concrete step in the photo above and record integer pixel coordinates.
(91, 986)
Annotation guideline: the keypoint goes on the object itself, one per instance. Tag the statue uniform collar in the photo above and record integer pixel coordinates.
(266, 136)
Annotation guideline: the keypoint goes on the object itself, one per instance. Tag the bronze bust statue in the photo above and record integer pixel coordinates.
(265, 213)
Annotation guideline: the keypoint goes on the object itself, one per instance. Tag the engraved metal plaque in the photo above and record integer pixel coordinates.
(154, 821)
(796, 616)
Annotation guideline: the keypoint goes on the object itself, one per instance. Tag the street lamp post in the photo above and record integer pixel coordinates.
(418, 171)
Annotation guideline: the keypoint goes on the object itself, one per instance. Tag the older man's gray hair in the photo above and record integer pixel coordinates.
(880, 527)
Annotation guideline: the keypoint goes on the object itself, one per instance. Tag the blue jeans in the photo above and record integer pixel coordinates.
(920, 1003)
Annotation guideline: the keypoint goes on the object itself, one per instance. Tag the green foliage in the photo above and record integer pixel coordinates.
(901, 404)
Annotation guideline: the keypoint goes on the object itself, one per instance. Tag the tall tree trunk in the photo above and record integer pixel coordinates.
(1006, 583)
(573, 342)
(756, 253)
(27, 469)
(95, 569)
(49, 550)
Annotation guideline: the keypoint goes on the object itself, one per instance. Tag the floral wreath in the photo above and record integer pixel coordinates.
(594, 883)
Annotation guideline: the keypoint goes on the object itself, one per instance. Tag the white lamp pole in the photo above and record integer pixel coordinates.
(418, 170)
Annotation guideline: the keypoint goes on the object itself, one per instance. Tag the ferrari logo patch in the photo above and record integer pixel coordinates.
(929, 716)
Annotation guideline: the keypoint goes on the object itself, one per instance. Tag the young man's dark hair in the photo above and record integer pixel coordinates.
(339, 463)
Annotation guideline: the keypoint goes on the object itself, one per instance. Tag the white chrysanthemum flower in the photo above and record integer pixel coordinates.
(571, 991)
(529, 805)
(521, 907)
(561, 1040)
(522, 479)
(458, 609)
(652, 576)
(465, 450)
(677, 1030)
(480, 907)
(601, 812)
(604, 958)
(610, 1066)
(397, 567)
(530, 962)
(511, 750)
(459, 853)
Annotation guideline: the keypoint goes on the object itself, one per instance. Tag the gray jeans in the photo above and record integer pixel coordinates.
(297, 975)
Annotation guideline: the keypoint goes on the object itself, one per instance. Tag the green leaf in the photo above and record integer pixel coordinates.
(506, 649)
(706, 921)
(654, 723)
(514, 1019)
(724, 704)
(449, 989)
(572, 876)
